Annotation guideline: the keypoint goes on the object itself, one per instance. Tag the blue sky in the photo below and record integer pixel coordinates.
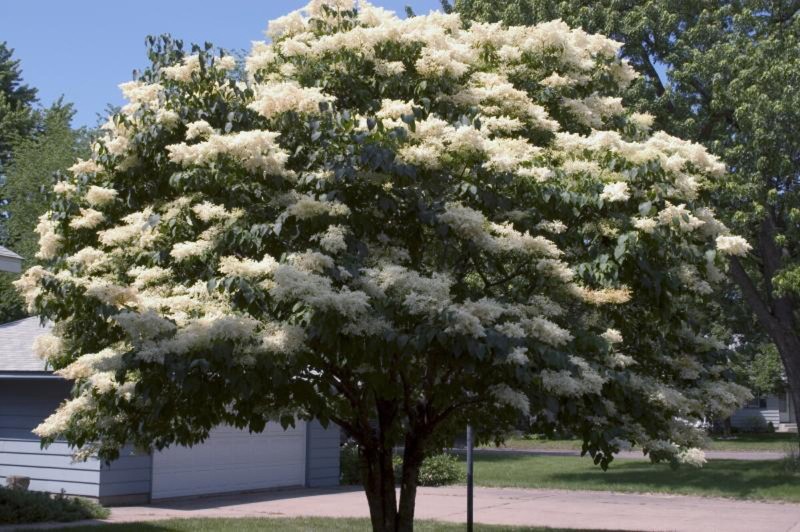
(82, 49)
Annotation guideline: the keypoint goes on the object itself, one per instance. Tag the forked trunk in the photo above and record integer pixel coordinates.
(379, 484)
(377, 475)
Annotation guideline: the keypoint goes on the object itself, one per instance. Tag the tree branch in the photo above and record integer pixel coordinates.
(751, 295)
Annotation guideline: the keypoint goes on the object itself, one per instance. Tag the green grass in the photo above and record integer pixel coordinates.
(536, 441)
(718, 478)
(755, 442)
(738, 442)
(303, 524)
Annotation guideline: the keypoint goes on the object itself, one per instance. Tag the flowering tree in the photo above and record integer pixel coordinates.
(737, 98)
(400, 226)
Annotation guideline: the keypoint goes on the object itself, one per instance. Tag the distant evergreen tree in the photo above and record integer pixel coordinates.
(35, 144)
(17, 115)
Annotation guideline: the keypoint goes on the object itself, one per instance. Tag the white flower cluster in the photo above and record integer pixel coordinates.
(672, 153)
(493, 237)
(99, 196)
(733, 245)
(333, 239)
(506, 395)
(593, 110)
(248, 268)
(693, 457)
(273, 99)
(139, 229)
(58, 422)
(49, 240)
(418, 294)
(84, 167)
(184, 70)
(256, 150)
(198, 130)
(48, 346)
(617, 191)
(88, 219)
(612, 336)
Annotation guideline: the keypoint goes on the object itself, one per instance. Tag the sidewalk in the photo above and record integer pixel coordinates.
(501, 506)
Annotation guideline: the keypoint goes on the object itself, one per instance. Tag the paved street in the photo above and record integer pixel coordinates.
(554, 508)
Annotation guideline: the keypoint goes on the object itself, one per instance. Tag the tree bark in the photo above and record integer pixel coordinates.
(377, 473)
(775, 314)
(412, 460)
(789, 349)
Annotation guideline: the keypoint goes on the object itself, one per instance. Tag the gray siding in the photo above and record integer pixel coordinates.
(23, 405)
(322, 451)
(747, 417)
(126, 480)
(8, 264)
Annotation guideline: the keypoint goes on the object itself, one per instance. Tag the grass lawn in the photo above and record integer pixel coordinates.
(718, 478)
(755, 442)
(738, 442)
(306, 524)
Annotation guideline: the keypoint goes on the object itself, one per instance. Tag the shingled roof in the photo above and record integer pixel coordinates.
(16, 346)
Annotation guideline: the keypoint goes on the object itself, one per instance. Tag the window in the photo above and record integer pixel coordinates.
(758, 402)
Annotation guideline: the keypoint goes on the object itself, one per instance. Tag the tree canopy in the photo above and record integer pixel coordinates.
(731, 73)
(398, 225)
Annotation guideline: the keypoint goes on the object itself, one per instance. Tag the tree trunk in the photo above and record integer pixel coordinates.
(377, 474)
(775, 313)
(789, 348)
(412, 460)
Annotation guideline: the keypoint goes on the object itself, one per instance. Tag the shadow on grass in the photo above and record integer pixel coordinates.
(312, 524)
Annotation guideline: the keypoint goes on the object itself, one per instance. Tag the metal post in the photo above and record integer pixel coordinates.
(469, 478)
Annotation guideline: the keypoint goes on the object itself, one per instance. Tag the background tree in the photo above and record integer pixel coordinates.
(761, 369)
(400, 226)
(17, 116)
(731, 69)
(29, 177)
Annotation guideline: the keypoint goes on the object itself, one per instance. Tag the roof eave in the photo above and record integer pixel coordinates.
(49, 375)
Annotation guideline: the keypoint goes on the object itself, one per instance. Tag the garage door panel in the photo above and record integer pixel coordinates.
(232, 460)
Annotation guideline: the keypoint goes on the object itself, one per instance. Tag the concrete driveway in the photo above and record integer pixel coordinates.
(502, 506)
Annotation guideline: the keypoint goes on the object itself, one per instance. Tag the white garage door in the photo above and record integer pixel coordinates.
(232, 460)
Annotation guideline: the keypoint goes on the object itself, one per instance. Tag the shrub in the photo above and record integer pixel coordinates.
(18, 506)
(349, 473)
(754, 424)
(437, 470)
(791, 459)
(440, 470)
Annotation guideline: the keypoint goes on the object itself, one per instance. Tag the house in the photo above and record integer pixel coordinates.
(9, 261)
(230, 460)
(762, 410)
